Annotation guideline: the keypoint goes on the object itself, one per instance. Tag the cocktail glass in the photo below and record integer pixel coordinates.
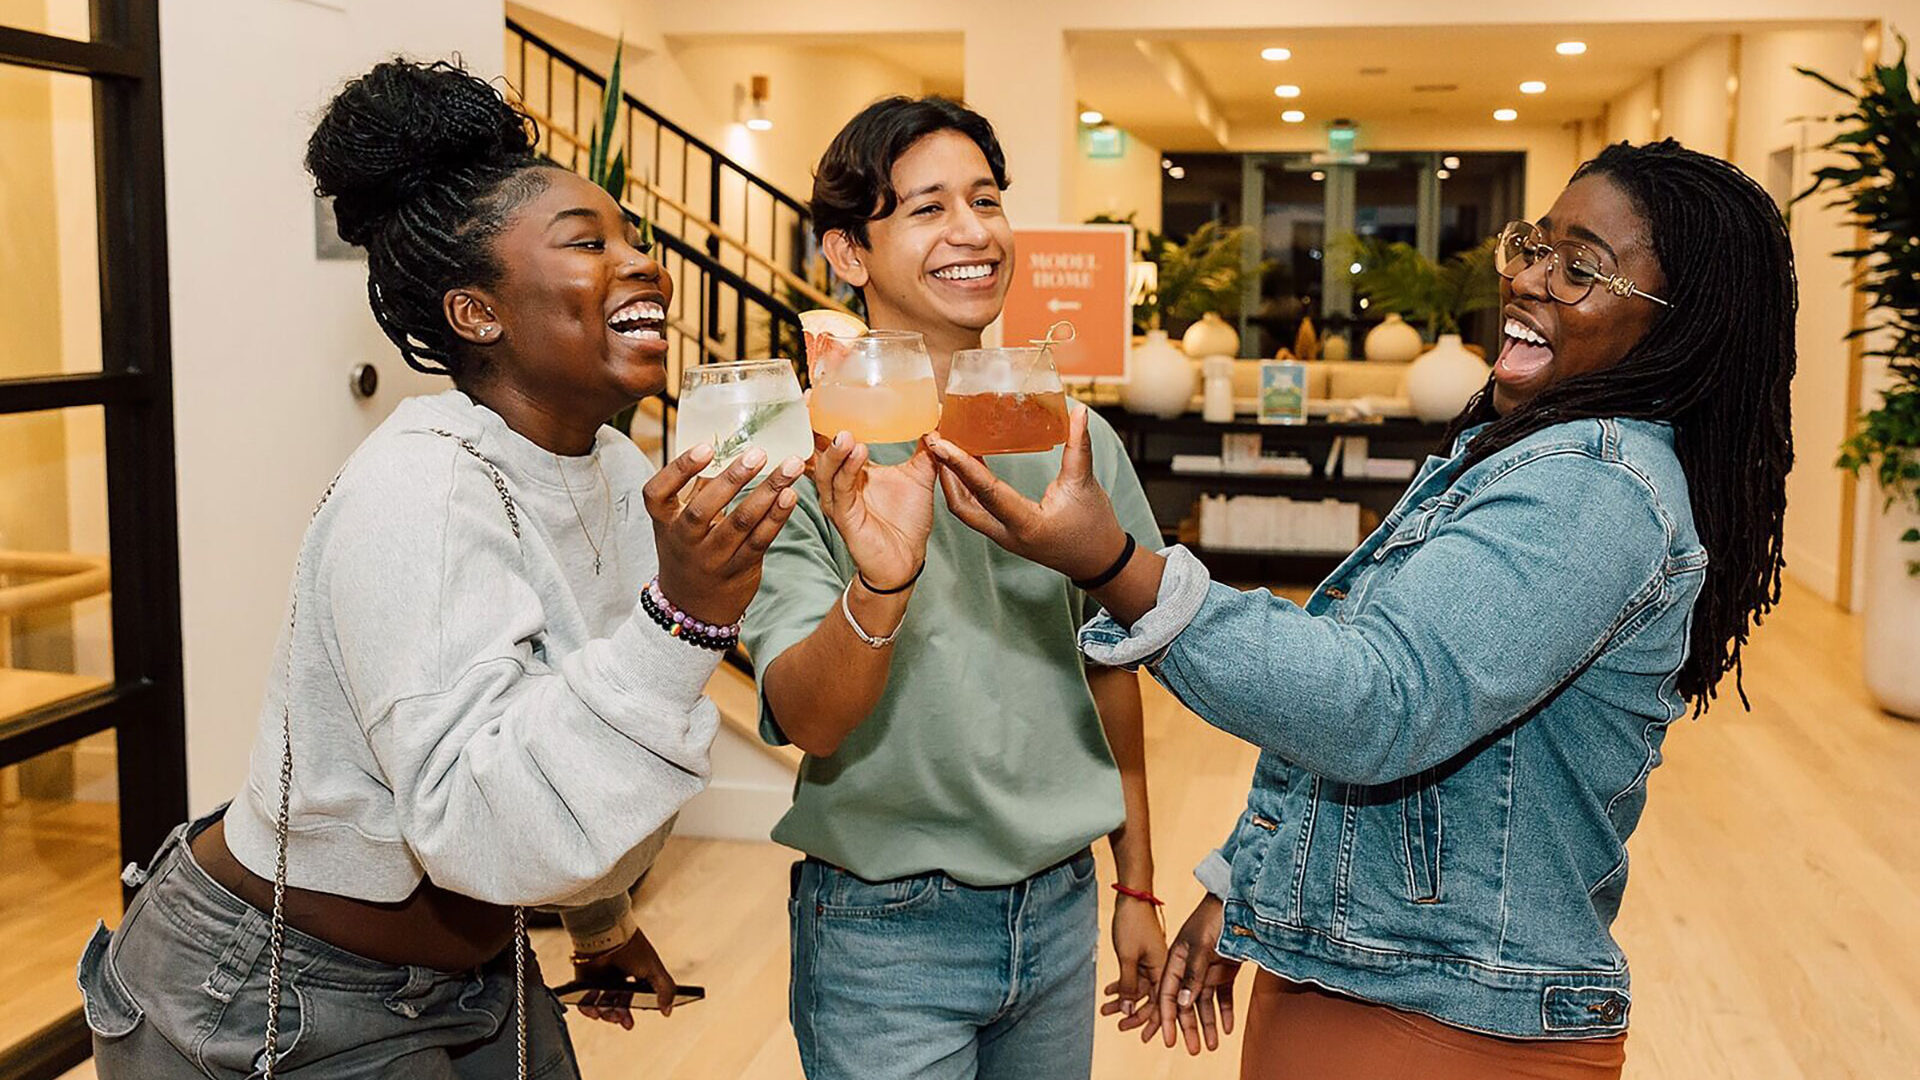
(740, 405)
(878, 386)
(1004, 401)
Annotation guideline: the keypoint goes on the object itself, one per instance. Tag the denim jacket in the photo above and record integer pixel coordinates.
(1456, 731)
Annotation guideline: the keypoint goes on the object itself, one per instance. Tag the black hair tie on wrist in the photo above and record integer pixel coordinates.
(1111, 572)
(897, 589)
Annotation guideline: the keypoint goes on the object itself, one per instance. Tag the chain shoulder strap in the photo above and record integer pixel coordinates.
(277, 933)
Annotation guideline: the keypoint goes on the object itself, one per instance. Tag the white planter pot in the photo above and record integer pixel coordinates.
(1211, 336)
(1161, 382)
(1891, 659)
(1444, 379)
(1394, 341)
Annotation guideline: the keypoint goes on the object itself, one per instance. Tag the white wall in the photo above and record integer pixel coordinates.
(263, 333)
(1694, 100)
(1129, 184)
(1774, 105)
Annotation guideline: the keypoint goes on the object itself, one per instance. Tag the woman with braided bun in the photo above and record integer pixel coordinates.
(488, 691)
(1458, 726)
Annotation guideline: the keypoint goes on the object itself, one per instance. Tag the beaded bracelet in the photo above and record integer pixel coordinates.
(683, 626)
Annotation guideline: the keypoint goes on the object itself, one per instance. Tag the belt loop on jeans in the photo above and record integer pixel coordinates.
(243, 950)
(419, 981)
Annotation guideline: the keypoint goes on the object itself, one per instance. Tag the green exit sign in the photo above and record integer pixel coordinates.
(1341, 137)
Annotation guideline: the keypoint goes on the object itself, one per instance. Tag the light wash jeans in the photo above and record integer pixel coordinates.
(180, 993)
(929, 979)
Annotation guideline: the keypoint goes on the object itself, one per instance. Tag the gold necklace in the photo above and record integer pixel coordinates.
(604, 486)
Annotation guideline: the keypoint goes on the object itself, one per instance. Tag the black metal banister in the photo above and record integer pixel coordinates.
(719, 157)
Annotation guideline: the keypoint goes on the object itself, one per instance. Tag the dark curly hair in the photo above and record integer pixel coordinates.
(853, 184)
(1716, 365)
(424, 163)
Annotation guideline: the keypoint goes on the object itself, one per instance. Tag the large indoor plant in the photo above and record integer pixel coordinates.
(1204, 273)
(1877, 181)
(1395, 278)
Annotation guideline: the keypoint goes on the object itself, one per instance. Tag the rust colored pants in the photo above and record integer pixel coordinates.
(1300, 1032)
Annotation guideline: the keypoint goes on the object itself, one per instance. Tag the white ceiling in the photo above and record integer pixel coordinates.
(1452, 74)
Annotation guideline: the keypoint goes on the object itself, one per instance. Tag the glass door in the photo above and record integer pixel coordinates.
(92, 748)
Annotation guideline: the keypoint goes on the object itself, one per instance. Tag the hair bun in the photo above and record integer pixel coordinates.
(404, 128)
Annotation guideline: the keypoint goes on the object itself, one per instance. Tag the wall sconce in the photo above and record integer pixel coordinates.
(757, 106)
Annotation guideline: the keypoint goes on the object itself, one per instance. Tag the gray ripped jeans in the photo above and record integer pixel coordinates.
(180, 993)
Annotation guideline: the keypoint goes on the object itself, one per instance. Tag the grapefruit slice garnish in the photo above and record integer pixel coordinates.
(820, 326)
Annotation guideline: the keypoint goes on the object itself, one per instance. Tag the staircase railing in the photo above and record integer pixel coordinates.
(690, 187)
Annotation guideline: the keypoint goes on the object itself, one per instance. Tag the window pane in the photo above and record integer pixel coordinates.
(1293, 240)
(55, 617)
(60, 843)
(49, 258)
(61, 18)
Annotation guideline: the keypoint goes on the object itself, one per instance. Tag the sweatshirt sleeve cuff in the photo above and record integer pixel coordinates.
(601, 926)
(1183, 589)
(663, 666)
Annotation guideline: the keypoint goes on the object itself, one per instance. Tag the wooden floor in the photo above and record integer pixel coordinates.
(1773, 917)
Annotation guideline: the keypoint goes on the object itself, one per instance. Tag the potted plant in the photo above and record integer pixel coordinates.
(1397, 280)
(1878, 183)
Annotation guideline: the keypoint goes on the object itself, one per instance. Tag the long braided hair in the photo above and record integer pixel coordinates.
(424, 162)
(1716, 366)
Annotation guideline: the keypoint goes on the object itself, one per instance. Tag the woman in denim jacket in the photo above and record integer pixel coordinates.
(1458, 726)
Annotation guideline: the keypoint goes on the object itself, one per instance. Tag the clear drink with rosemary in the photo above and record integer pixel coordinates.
(736, 406)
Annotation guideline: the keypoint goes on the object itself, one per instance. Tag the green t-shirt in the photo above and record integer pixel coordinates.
(984, 757)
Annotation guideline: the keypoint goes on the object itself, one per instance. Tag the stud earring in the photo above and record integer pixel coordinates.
(487, 331)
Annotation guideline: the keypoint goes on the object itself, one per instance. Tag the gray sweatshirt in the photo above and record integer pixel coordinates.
(477, 708)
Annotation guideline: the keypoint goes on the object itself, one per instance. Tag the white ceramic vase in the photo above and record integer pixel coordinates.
(1892, 617)
(1395, 341)
(1443, 379)
(1161, 381)
(1211, 336)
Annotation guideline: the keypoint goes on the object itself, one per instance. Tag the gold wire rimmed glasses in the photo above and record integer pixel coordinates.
(1573, 268)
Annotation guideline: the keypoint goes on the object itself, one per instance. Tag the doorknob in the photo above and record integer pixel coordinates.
(363, 380)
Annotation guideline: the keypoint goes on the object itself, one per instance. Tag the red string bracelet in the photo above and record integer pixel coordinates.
(1139, 894)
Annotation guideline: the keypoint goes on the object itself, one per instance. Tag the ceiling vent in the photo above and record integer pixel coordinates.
(1436, 88)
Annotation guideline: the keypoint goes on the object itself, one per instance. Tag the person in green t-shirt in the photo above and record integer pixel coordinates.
(961, 757)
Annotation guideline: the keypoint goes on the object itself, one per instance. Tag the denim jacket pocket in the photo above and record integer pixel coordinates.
(1417, 525)
(111, 1011)
(1422, 833)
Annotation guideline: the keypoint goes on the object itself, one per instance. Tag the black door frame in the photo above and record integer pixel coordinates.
(145, 706)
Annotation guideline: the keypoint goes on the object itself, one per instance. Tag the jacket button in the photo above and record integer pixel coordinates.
(1263, 823)
(1336, 594)
(1241, 931)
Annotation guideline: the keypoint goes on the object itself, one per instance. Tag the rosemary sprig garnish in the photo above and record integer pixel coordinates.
(760, 417)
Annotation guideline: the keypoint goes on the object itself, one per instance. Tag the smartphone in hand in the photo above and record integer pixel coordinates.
(633, 992)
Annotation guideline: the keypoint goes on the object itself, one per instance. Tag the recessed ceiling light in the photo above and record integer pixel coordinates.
(1319, 176)
(1354, 268)
(1166, 163)
(1293, 116)
(1451, 162)
(1505, 116)
(1570, 48)
(1276, 54)
(1091, 117)
(1533, 86)
(1178, 172)
(1286, 90)
(1443, 173)
(759, 123)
